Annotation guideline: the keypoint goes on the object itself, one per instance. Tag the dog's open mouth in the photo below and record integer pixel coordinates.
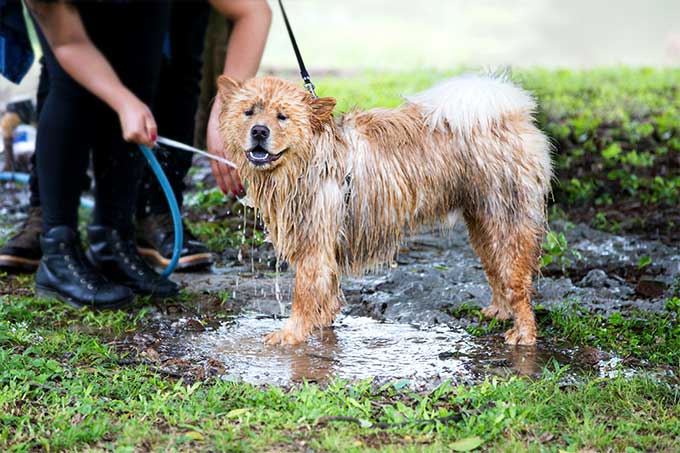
(260, 156)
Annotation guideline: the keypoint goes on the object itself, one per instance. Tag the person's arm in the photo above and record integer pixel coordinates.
(61, 24)
(250, 21)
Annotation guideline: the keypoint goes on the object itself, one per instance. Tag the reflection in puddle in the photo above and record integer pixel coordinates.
(362, 348)
(356, 348)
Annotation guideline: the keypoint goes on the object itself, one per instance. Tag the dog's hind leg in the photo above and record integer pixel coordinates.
(500, 303)
(509, 251)
(316, 299)
(519, 258)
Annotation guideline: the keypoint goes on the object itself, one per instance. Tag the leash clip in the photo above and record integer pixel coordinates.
(309, 86)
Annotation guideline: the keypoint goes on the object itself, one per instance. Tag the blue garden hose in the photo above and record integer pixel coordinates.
(174, 208)
(167, 190)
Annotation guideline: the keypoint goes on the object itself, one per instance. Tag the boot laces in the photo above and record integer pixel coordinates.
(127, 250)
(79, 267)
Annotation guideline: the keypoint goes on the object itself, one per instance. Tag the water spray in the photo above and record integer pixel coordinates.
(182, 147)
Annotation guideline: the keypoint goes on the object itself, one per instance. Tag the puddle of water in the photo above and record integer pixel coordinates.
(356, 348)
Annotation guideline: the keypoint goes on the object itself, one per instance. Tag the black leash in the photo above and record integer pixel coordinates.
(303, 70)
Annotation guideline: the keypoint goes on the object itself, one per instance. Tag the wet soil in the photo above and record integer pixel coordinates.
(407, 322)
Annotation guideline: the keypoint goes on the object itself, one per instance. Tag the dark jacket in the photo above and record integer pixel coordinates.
(16, 53)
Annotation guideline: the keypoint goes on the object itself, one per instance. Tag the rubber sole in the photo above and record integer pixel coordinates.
(50, 293)
(186, 263)
(17, 263)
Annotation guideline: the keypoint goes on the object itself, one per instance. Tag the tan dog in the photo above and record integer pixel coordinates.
(339, 195)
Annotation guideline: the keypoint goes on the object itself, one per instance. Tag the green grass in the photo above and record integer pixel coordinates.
(222, 228)
(63, 388)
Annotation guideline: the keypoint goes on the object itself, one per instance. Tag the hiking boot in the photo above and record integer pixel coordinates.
(65, 274)
(156, 240)
(117, 258)
(22, 253)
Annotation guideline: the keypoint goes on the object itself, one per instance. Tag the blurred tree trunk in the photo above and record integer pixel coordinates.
(214, 52)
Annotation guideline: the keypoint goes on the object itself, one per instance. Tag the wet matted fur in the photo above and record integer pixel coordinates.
(339, 195)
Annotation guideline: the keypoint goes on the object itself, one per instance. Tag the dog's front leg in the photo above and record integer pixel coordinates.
(316, 299)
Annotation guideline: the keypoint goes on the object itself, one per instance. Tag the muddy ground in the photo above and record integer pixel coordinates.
(409, 321)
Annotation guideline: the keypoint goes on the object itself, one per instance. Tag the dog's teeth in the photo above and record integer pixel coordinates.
(259, 156)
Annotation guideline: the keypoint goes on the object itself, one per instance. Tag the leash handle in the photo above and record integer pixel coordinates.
(303, 70)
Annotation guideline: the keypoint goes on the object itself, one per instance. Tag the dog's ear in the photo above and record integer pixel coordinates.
(322, 109)
(226, 86)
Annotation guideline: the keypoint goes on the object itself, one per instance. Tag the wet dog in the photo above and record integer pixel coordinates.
(339, 195)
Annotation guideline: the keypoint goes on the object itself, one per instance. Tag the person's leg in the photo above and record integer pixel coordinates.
(175, 108)
(41, 96)
(176, 100)
(135, 56)
(63, 141)
(64, 135)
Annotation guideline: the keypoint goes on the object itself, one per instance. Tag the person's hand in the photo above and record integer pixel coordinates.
(137, 122)
(227, 177)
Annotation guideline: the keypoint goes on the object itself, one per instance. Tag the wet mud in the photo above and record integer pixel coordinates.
(407, 322)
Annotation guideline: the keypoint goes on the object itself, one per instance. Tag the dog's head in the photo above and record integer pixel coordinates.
(267, 121)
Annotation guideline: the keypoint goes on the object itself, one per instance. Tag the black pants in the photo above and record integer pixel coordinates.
(176, 102)
(72, 121)
(43, 91)
(174, 107)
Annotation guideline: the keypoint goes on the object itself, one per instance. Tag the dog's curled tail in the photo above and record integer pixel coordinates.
(472, 101)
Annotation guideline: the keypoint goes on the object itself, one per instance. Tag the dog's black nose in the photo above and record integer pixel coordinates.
(259, 132)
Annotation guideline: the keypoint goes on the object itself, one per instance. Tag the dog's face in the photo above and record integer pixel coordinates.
(267, 121)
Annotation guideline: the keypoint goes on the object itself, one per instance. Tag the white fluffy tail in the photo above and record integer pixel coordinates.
(472, 101)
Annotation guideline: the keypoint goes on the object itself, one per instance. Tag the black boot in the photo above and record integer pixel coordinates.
(65, 274)
(117, 258)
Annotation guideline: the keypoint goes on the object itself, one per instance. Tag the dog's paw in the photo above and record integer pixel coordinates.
(494, 311)
(283, 337)
(521, 337)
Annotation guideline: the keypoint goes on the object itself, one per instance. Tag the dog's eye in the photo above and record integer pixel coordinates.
(249, 112)
(281, 117)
